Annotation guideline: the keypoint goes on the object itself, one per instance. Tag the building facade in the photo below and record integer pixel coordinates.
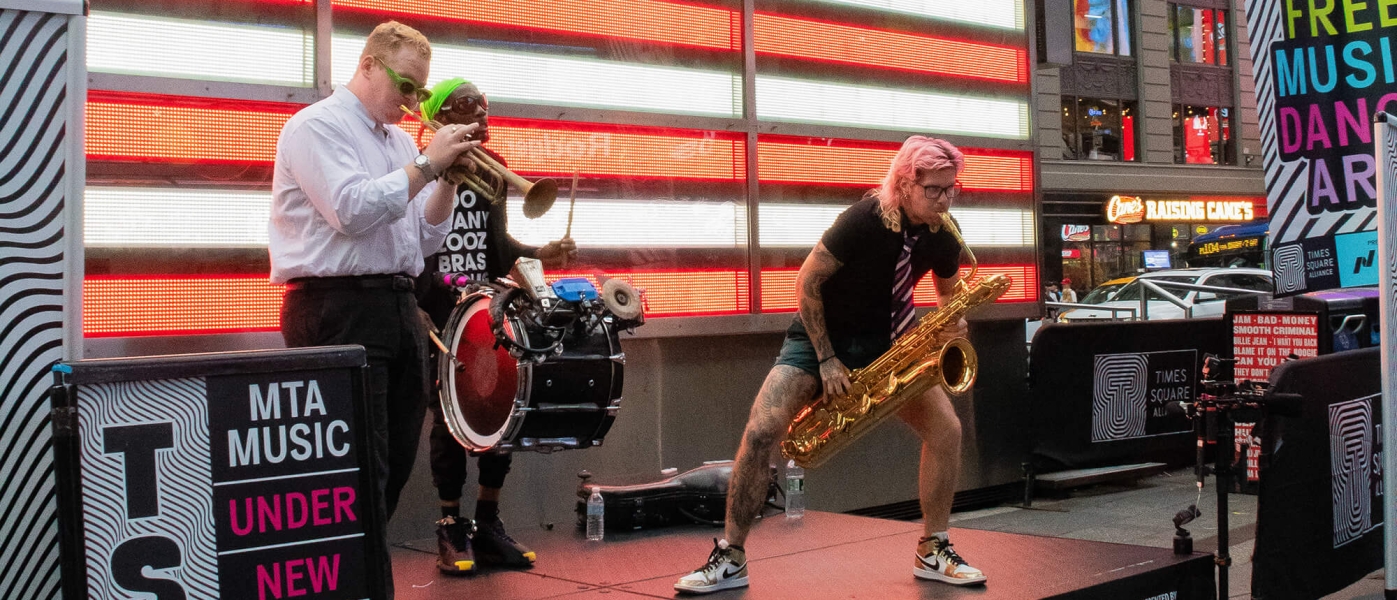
(1148, 140)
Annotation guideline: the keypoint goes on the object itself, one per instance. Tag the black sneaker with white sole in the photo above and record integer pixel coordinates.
(726, 569)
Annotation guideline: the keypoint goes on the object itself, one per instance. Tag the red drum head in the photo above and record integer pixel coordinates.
(485, 383)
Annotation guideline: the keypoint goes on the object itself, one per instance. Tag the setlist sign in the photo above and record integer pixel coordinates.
(1260, 341)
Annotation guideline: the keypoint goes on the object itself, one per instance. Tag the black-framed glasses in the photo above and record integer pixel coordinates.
(466, 105)
(933, 192)
(406, 87)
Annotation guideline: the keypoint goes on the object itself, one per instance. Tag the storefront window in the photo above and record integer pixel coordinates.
(1098, 129)
(1198, 35)
(1103, 26)
(1203, 135)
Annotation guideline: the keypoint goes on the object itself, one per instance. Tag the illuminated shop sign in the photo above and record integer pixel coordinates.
(1211, 248)
(1131, 209)
(1125, 209)
(1076, 233)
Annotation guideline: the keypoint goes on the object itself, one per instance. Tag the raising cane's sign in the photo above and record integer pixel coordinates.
(1130, 209)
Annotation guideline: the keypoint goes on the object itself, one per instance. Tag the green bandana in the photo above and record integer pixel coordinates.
(440, 92)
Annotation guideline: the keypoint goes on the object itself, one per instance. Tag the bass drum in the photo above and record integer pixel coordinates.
(495, 402)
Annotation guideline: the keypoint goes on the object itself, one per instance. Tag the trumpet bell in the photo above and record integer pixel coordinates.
(540, 197)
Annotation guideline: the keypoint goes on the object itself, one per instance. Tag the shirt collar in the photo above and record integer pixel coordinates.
(347, 98)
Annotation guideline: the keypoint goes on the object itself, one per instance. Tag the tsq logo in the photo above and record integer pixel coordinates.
(1290, 269)
(1356, 481)
(1131, 390)
(1118, 397)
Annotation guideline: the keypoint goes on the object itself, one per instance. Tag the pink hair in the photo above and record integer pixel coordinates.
(919, 154)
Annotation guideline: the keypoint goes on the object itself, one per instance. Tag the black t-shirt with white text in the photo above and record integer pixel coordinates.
(479, 246)
(858, 297)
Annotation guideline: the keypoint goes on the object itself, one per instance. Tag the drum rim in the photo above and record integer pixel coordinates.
(455, 421)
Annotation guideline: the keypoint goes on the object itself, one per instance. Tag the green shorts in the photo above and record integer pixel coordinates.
(855, 353)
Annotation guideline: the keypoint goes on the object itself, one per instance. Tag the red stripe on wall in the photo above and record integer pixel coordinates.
(643, 20)
(779, 286)
(846, 162)
(206, 304)
(848, 44)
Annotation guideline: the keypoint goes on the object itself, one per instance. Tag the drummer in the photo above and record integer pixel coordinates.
(479, 246)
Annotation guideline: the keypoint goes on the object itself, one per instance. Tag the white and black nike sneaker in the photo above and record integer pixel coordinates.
(937, 560)
(726, 569)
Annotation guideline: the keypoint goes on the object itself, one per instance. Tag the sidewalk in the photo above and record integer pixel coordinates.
(1143, 514)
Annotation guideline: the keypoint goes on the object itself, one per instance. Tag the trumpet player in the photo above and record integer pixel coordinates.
(479, 247)
(855, 298)
(355, 206)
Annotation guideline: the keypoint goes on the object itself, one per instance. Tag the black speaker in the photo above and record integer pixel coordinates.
(1054, 19)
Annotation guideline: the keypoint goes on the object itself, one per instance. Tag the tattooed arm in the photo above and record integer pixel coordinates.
(817, 268)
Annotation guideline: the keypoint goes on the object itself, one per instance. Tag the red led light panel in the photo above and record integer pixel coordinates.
(865, 164)
(167, 133)
(154, 132)
(683, 293)
(541, 148)
(179, 305)
(779, 286)
(835, 42)
(645, 20)
(206, 304)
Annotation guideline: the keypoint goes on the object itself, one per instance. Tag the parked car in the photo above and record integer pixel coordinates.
(1204, 304)
(1105, 291)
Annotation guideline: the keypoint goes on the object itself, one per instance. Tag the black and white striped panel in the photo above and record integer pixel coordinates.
(33, 146)
(1351, 468)
(183, 518)
(1287, 181)
(1118, 397)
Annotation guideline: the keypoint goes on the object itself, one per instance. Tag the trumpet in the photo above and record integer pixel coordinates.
(539, 196)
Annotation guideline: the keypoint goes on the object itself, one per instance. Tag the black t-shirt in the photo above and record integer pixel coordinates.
(479, 246)
(858, 297)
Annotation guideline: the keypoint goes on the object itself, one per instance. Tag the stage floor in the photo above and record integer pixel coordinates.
(825, 555)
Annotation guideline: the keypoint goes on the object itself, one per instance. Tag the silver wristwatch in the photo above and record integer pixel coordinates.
(425, 165)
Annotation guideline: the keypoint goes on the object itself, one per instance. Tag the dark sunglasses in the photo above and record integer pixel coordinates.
(466, 105)
(932, 192)
(406, 87)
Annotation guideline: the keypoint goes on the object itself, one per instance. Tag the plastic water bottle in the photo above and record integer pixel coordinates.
(596, 510)
(795, 491)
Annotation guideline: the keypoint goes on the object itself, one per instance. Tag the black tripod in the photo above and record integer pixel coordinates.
(1213, 415)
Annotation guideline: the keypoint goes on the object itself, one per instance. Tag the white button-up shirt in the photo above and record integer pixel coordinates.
(340, 201)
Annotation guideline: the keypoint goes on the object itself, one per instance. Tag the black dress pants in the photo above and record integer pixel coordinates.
(384, 321)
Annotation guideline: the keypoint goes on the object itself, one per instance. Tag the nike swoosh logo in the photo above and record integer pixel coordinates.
(933, 564)
(731, 570)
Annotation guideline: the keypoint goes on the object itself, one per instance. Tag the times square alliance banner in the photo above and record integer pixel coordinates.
(1322, 69)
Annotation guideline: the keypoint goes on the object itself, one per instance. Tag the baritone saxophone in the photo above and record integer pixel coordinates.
(913, 365)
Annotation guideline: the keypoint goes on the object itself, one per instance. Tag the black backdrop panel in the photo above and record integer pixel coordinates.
(223, 475)
(1099, 390)
(1319, 518)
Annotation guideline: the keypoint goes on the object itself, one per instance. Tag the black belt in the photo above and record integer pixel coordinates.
(396, 282)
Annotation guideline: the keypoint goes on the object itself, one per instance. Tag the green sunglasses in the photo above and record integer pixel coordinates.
(406, 87)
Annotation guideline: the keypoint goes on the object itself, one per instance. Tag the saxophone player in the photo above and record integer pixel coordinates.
(855, 298)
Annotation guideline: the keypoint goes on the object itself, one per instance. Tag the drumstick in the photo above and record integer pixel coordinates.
(572, 203)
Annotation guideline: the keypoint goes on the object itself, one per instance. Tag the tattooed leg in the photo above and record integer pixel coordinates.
(783, 393)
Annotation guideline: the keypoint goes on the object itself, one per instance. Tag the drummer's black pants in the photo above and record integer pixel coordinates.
(449, 461)
(384, 321)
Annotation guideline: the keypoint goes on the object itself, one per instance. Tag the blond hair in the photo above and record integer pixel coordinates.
(919, 154)
(390, 37)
